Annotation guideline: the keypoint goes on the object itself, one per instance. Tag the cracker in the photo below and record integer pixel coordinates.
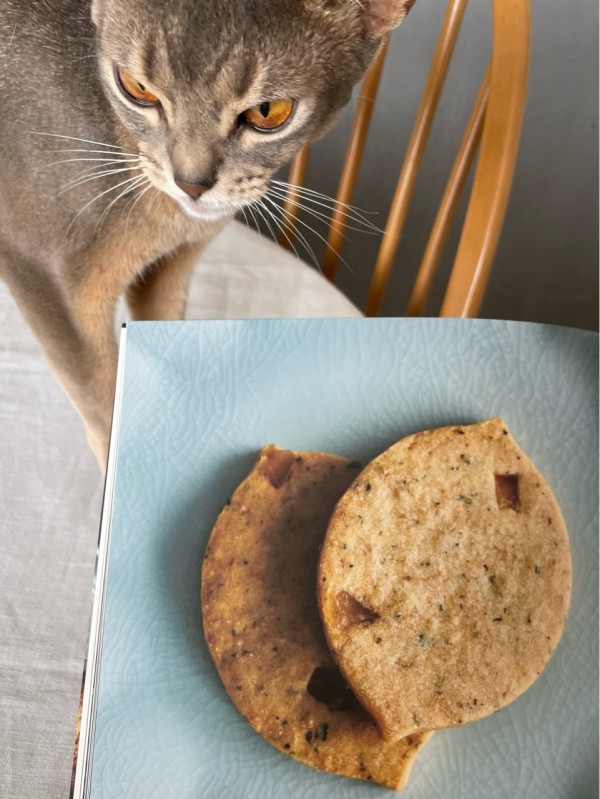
(445, 578)
(263, 628)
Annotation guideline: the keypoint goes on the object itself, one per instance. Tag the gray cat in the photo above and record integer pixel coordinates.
(131, 131)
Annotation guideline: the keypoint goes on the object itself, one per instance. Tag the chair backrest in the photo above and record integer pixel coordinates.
(493, 127)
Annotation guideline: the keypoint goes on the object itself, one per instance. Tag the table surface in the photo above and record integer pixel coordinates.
(199, 400)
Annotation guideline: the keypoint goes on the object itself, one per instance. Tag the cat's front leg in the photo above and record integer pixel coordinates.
(76, 339)
(160, 292)
(91, 383)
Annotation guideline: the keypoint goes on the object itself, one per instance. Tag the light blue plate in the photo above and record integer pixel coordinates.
(199, 400)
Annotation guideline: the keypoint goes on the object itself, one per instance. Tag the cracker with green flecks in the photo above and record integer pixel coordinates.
(262, 624)
(445, 578)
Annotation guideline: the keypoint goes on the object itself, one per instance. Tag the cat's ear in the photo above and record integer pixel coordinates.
(380, 16)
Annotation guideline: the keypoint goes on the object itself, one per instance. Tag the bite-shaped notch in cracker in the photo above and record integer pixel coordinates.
(262, 624)
(460, 553)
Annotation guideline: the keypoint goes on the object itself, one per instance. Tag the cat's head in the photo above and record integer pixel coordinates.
(217, 94)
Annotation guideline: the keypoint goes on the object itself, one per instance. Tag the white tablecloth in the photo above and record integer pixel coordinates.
(50, 501)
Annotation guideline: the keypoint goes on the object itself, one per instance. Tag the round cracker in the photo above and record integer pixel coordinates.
(263, 628)
(445, 578)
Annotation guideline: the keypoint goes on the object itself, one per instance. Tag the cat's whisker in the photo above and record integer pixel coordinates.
(137, 197)
(305, 190)
(103, 160)
(250, 210)
(316, 233)
(288, 239)
(157, 196)
(97, 197)
(253, 215)
(280, 223)
(293, 232)
(124, 154)
(242, 209)
(95, 169)
(352, 215)
(81, 180)
(302, 190)
(127, 190)
(331, 205)
(76, 138)
(260, 208)
(264, 212)
(319, 215)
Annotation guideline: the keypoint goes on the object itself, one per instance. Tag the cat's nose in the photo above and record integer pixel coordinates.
(194, 189)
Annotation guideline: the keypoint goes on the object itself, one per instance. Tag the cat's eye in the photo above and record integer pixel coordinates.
(269, 115)
(135, 90)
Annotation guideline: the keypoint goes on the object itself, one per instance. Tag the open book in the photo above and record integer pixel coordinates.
(195, 401)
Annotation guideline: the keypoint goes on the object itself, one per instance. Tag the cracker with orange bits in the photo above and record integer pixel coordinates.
(444, 579)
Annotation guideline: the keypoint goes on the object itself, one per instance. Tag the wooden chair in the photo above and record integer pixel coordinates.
(494, 127)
